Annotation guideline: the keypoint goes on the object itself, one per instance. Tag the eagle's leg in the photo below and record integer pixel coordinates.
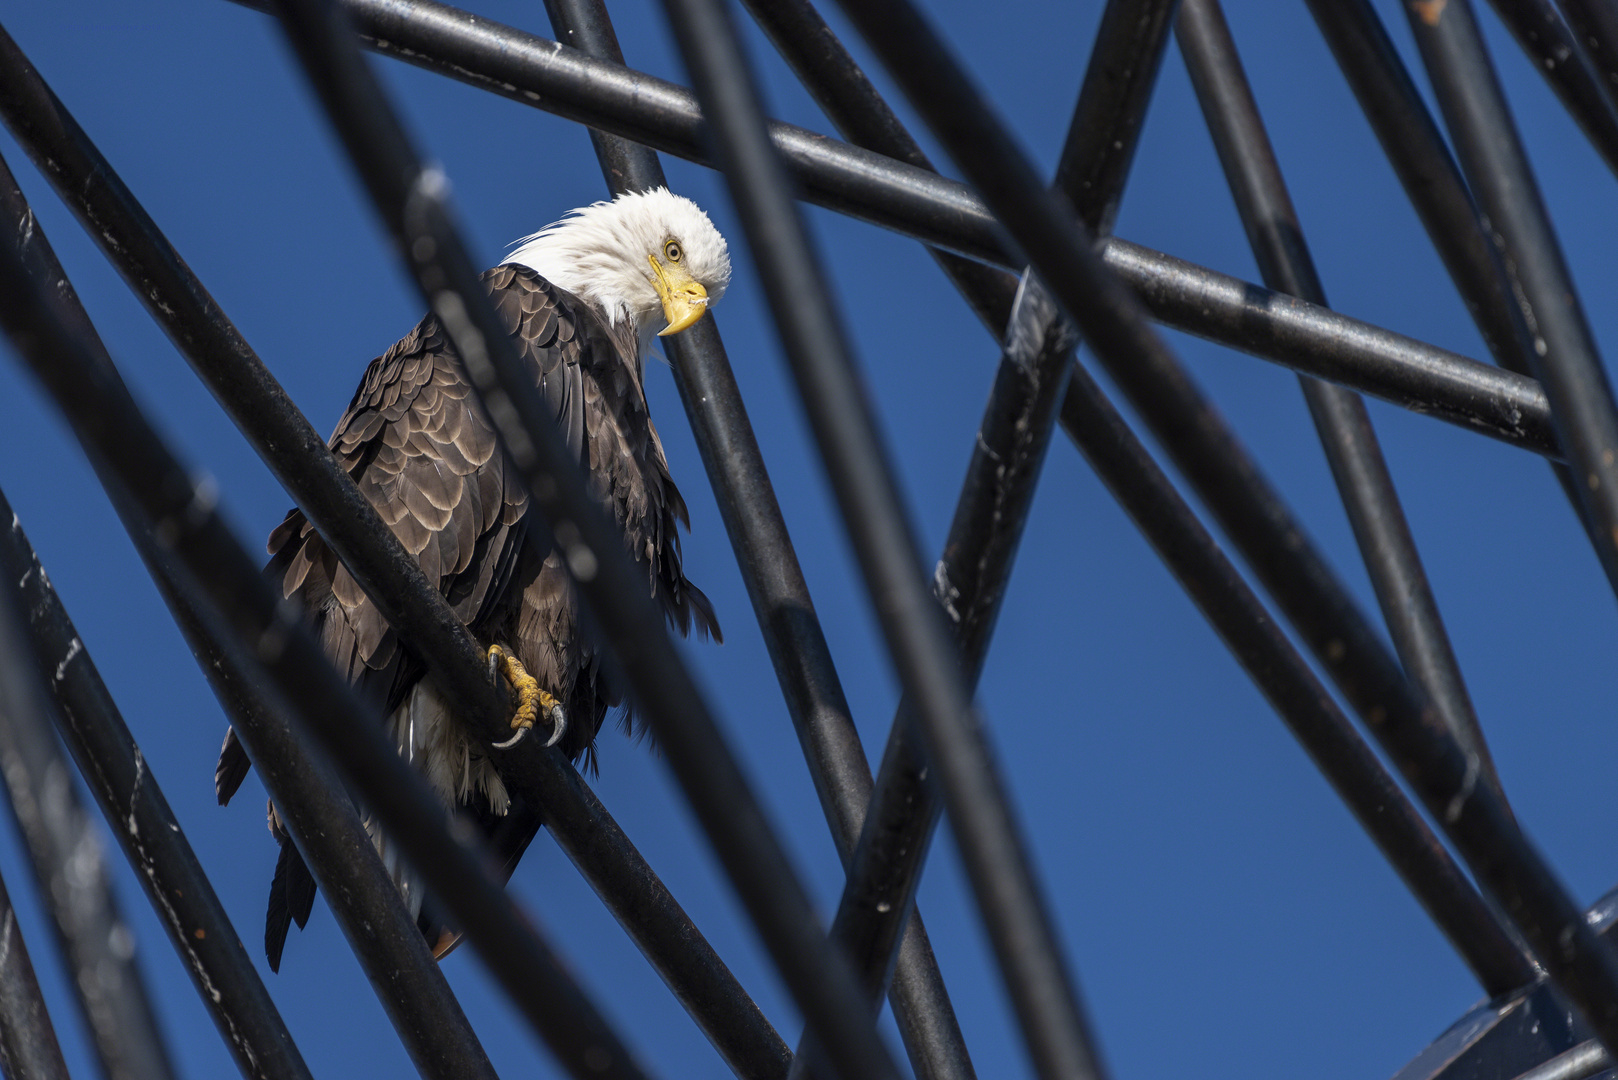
(532, 699)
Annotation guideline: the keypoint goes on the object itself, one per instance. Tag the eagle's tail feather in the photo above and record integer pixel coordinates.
(292, 898)
(232, 768)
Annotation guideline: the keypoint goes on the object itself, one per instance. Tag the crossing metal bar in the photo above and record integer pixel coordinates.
(1475, 818)
(28, 1046)
(1250, 508)
(130, 798)
(775, 583)
(181, 512)
(297, 455)
(1557, 55)
(997, 862)
(971, 576)
(1564, 356)
(413, 205)
(1595, 29)
(942, 213)
(1343, 424)
(65, 853)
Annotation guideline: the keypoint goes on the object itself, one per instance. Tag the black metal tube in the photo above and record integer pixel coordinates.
(1477, 821)
(900, 196)
(1595, 28)
(124, 447)
(28, 1046)
(1416, 149)
(65, 853)
(971, 575)
(775, 582)
(1317, 341)
(412, 204)
(1584, 1060)
(129, 796)
(1344, 426)
(1564, 356)
(1556, 54)
(297, 455)
(1277, 543)
(992, 848)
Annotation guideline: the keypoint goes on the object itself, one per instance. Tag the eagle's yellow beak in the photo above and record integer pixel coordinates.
(684, 298)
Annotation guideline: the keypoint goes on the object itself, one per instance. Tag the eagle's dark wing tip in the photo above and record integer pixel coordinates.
(278, 919)
(702, 614)
(232, 768)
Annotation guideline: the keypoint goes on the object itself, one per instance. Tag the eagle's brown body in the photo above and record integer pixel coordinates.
(422, 451)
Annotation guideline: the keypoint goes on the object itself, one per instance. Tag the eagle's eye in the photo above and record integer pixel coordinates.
(672, 252)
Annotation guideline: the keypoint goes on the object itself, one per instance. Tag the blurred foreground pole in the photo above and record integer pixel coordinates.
(992, 847)
(28, 1046)
(1477, 821)
(412, 202)
(112, 766)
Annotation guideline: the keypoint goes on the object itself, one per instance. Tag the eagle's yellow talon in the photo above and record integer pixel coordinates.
(532, 699)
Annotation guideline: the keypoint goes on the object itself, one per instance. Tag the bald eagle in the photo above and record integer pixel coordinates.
(582, 299)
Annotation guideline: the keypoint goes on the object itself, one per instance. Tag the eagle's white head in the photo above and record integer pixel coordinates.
(650, 259)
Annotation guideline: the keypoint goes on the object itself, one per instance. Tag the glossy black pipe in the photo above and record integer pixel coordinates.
(1421, 159)
(129, 796)
(1595, 27)
(1479, 824)
(1564, 356)
(769, 566)
(1584, 1060)
(1539, 29)
(412, 204)
(65, 853)
(1361, 472)
(945, 214)
(411, 989)
(972, 573)
(181, 513)
(297, 455)
(1317, 341)
(989, 838)
(28, 1046)
(1248, 506)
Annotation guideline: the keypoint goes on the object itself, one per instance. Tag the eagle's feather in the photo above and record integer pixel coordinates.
(577, 300)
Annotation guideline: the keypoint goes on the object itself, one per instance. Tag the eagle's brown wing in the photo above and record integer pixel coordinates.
(421, 449)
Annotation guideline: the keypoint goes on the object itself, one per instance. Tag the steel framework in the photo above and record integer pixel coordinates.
(1382, 708)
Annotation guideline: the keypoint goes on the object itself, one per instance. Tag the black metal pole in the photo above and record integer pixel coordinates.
(1477, 821)
(127, 451)
(1557, 55)
(1237, 490)
(1344, 426)
(129, 796)
(894, 195)
(413, 205)
(1420, 158)
(28, 1046)
(1595, 29)
(1584, 1060)
(1564, 356)
(98, 948)
(1009, 899)
(297, 455)
(775, 583)
(972, 573)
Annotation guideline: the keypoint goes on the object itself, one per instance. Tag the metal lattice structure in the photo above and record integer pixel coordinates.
(1382, 708)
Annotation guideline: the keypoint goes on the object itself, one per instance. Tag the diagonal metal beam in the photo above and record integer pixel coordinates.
(413, 205)
(28, 1046)
(990, 840)
(1563, 356)
(1479, 824)
(182, 515)
(1341, 420)
(129, 796)
(1556, 54)
(297, 455)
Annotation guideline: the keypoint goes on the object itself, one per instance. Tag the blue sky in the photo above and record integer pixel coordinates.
(1221, 909)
